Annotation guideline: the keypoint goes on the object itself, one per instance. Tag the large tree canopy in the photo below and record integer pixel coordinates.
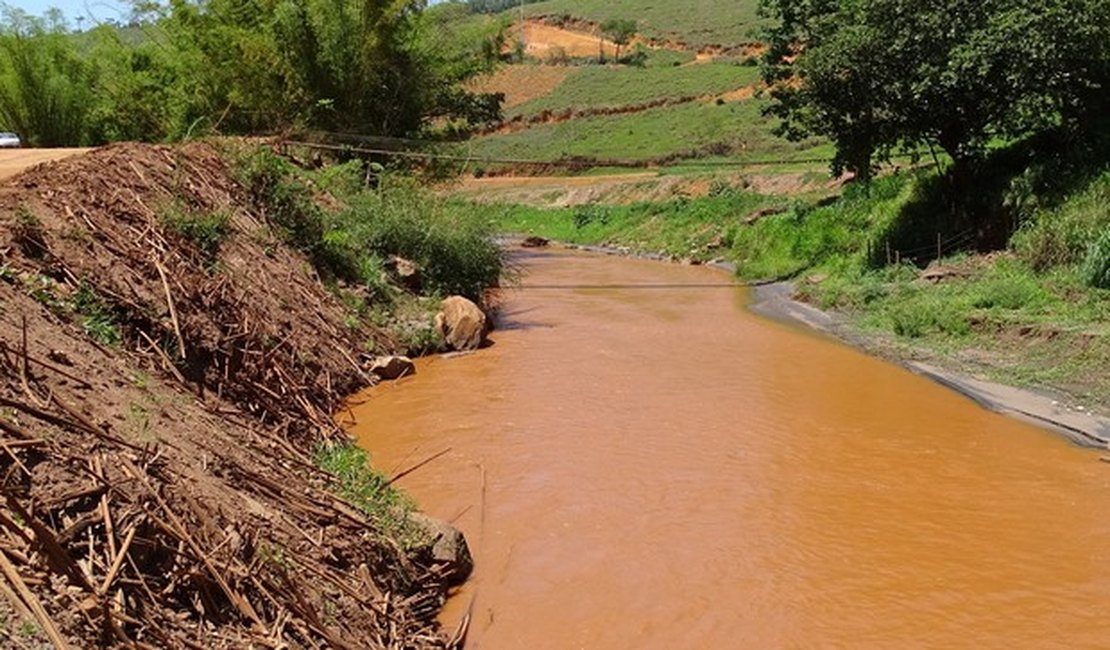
(874, 75)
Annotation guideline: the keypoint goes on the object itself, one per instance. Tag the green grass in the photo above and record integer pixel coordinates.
(98, 320)
(368, 489)
(604, 87)
(698, 23)
(739, 128)
(696, 228)
(207, 231)
(836, 236)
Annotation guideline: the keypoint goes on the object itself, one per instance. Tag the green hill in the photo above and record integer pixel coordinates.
(698, 23)
(695, 94)
(737, 129)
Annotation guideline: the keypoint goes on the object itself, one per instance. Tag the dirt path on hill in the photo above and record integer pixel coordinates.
(542, 39)
(13, 161)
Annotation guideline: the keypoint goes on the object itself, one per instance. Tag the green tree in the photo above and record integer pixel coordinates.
(45, 86)
(381, 67)
(620, 31)
(874, 75)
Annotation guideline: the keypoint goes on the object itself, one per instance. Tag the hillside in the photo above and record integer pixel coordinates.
(687, 88)
(696, 24)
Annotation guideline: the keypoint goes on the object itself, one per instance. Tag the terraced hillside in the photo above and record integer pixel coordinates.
(690, 23)
(689, 91)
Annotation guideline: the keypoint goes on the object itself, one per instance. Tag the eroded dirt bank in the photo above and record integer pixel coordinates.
(641, 462)
(159, 404)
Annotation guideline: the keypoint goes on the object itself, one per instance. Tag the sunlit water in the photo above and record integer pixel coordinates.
(638, 462)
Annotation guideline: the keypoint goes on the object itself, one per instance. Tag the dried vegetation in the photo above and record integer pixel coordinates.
(157, 487)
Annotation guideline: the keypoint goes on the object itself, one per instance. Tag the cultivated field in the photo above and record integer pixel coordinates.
(698, 23)
(612, 86)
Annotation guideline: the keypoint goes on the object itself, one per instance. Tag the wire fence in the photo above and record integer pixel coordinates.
(879, 250)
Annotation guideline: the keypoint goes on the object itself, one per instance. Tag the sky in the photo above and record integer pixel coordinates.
(90, 10)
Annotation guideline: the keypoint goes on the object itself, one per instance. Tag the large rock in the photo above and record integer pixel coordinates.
(405, 272)
(462, 323)
(389, 368)
(445, 546)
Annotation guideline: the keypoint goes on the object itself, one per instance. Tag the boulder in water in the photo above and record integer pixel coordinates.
(446, 547)
(462, 323)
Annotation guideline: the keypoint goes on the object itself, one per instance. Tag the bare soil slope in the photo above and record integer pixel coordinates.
(159, 491)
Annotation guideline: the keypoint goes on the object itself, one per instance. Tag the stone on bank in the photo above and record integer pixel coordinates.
(462, 324)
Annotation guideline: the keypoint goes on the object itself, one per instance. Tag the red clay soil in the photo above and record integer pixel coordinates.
(581, 28)
(160, 492)
(523, 82)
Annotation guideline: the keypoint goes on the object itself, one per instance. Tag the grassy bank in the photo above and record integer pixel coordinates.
(1031, 312)
(354, 236)
(700, 229)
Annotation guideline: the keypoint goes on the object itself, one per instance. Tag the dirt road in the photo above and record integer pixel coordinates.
(13, 161)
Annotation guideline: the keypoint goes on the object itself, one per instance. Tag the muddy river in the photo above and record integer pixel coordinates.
(639, 462)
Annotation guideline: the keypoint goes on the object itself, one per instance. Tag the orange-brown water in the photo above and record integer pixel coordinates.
(642, 467)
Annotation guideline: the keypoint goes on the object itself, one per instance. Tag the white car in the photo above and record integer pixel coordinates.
(10, 141)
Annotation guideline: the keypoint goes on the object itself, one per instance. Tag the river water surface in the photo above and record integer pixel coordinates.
(639, 462)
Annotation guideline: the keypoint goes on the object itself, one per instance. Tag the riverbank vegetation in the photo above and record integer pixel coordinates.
(891, 257)
(987, 244)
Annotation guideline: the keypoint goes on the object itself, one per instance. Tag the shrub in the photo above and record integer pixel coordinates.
(1063, 235)
(206, 230)
(1096, 266)
(285, 199)
(914, 318)
(590, 214)
(451, 242)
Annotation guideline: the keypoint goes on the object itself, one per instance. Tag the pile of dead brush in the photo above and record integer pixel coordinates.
(160, 398)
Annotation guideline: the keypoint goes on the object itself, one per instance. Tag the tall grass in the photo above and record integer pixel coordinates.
(44, 86)
(835, 235)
